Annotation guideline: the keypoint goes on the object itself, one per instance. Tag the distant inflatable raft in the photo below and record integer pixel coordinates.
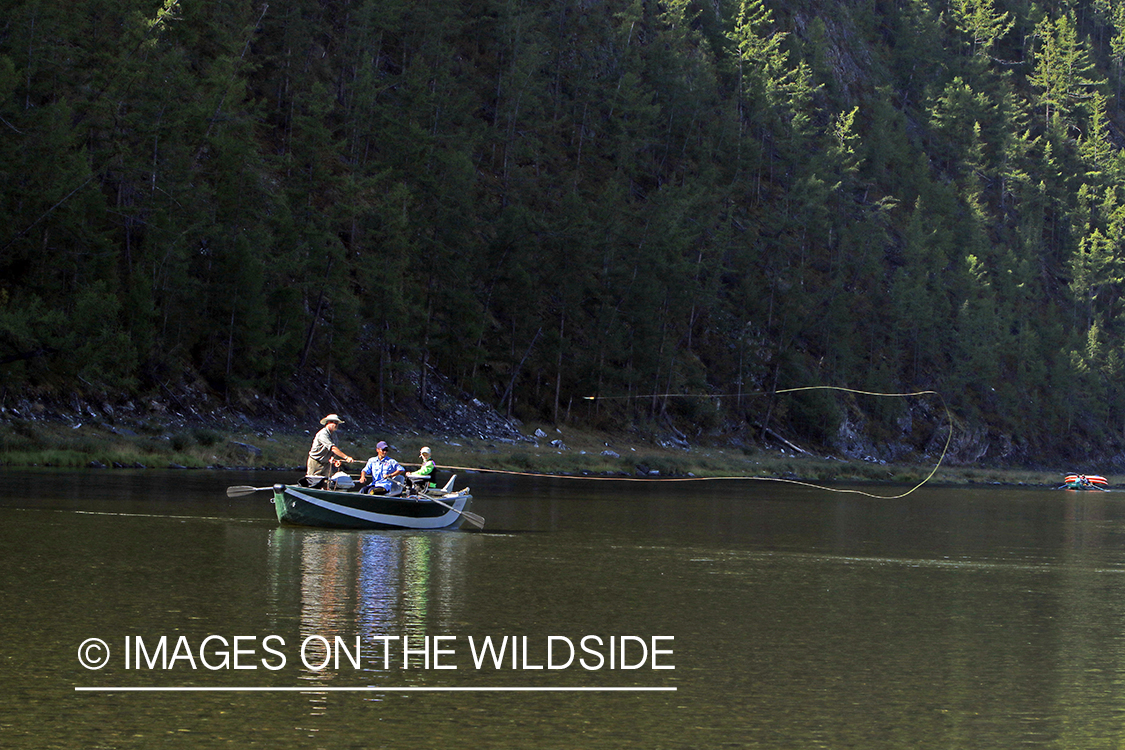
(1084, 482)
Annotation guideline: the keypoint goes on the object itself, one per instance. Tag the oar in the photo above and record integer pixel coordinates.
(472, 518)
(242, 489)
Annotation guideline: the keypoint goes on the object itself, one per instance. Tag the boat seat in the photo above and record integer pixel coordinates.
(370, 489)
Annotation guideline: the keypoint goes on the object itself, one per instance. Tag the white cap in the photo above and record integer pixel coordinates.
(424, 452)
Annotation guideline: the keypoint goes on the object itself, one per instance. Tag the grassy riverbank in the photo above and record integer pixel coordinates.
(24, 444)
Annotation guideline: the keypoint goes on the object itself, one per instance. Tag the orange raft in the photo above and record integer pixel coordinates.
(1084, 482)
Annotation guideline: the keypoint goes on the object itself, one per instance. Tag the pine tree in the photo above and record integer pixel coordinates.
(1062, 69)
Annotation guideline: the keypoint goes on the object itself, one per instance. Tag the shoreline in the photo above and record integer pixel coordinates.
(573, 453)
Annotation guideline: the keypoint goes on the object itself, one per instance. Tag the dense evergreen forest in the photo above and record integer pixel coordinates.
(543, 200)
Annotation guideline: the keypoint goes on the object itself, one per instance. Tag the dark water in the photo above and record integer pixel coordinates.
(793, 618)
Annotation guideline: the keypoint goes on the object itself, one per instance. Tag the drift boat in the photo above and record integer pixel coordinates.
(334, 505)
(1084, 482)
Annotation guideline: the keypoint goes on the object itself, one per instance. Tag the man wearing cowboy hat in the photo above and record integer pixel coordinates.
(324, 447)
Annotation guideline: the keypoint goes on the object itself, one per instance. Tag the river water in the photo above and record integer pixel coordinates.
(677, 615)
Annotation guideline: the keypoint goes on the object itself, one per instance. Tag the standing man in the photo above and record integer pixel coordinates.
(321, 461)
(379, 471)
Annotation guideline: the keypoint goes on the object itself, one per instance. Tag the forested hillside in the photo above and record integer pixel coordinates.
(543, 200)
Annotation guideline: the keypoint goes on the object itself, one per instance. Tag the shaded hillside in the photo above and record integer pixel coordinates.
(548, 201)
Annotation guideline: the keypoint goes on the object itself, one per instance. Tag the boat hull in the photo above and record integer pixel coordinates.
(327, 509)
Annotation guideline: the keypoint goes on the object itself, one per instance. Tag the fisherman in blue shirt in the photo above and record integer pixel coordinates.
(380, 472)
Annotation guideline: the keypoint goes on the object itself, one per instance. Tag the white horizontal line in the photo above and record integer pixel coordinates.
(369, 689)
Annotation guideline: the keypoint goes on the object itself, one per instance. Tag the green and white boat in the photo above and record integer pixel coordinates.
(333, 506)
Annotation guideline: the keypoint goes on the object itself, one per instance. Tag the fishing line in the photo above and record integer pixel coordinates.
(782, 480)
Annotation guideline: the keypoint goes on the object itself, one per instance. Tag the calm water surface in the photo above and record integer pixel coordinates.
(954, 618)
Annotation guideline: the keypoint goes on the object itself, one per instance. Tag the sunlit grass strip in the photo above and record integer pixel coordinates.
(372, 689)
(63, 447)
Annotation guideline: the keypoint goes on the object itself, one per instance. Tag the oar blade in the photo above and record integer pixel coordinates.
(243, 490)
(473, 519)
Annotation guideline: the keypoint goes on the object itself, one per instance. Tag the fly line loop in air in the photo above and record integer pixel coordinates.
(782, 480)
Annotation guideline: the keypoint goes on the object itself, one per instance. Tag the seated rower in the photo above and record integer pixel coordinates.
(425, 473)
(379, 473)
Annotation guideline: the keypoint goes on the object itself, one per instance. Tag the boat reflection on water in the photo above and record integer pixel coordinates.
(364, 585)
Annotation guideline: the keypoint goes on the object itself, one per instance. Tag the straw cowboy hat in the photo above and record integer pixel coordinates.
(332, 418)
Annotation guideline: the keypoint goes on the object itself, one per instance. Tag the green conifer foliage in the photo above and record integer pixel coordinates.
(548, 200)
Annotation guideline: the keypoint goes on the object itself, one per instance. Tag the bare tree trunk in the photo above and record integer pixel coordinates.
(558, 367)
(315, 318)
(515, 373)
